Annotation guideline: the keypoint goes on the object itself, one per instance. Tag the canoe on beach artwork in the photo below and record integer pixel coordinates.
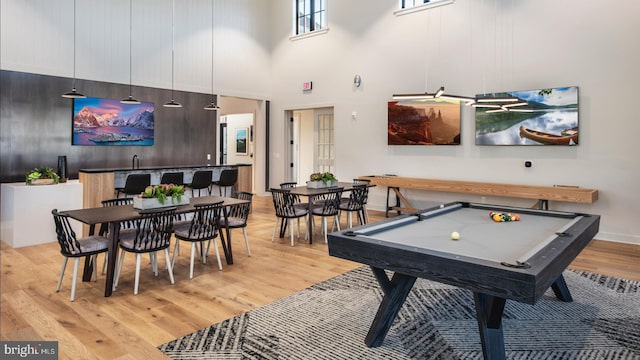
(567, 137)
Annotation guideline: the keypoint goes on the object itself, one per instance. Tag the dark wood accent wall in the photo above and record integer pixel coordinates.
(36, 126)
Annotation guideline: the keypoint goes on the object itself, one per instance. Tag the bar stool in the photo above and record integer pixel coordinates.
(228, 178)
(175, 178)
(134, 185)
(201, 180)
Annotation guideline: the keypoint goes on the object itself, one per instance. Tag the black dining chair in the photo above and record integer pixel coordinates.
(228, 178)
(201, 180)
(175, 178)
(134, 185)
(203, 227)
(152, 234)
(283, 203)
(355, 203)
(72, 247)
(296, 202)
(124, 226)
(330, 208)
(357, 181)
(238, 216)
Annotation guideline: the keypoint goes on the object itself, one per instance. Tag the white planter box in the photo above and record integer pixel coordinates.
(321, 184)
(152, 203)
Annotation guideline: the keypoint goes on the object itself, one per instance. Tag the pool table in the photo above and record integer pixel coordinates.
(497, 261)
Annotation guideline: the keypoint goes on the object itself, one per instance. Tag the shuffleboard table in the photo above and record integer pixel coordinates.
(497, 261)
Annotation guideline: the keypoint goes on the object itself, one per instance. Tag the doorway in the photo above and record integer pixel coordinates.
(311, 143)
(236, 139)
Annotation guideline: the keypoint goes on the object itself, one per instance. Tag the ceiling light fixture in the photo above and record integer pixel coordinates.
(73, 94)
(173, 103)
(130, 99)
(213, 106)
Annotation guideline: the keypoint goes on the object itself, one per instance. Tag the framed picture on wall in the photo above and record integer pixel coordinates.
(533, 117)
(241, 141)
(423, 122)
(102, 122)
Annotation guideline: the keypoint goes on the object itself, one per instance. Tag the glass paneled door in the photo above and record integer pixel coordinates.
(325, 147)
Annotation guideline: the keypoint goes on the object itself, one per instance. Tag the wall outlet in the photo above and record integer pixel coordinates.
(208, 156)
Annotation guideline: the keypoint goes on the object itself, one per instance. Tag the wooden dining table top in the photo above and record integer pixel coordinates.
(98, 215)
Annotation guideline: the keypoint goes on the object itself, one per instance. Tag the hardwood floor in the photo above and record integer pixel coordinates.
(125, 326)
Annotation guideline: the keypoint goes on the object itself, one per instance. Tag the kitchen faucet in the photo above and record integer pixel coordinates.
(135, 161)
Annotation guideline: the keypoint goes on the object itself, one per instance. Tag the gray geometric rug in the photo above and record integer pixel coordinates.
(330, 321)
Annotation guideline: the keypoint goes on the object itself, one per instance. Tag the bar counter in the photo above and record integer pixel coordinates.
(100, 183)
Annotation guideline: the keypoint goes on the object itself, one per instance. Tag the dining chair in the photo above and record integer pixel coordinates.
(124, 226)
(175, 178)
(355, 203)
(238, 216)
(72, 247)
(201, 180)
(134, 184)
(296, 202)
(202, 228)
(285, 211)
(330, 208)
(152, 234)
(228, 178)
(357, 181)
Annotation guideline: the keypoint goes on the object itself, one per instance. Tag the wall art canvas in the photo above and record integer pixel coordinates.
(241, 141)
(107, 122)
(538, 117)
(423, 122)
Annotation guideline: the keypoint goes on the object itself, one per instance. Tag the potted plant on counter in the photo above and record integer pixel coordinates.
(162, 195)
(320, 180)
(42, 176)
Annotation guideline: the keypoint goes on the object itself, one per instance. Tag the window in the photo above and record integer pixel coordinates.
(311, 15)
(405, 4)
(409, 6)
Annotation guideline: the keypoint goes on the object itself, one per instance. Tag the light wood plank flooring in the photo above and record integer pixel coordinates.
(125, 326)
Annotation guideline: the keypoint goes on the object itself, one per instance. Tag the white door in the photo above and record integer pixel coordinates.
(324, 144)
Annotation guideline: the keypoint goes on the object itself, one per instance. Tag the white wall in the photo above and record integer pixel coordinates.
(469, 47)
(37, 36)
(472, 47)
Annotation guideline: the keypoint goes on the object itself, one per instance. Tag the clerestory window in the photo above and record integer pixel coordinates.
(311, 15)
(408, 6)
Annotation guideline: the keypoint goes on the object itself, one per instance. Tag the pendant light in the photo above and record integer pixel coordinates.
(130, 99)
(173, 103)
(73, 94)
(213, 106)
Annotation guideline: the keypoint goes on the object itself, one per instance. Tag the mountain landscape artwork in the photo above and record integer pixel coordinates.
(107, 122)
(423, 122)
(530, 117)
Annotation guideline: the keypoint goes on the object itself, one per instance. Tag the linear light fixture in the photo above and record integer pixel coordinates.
(439, 94)
(130, 99)
(74, 94)
(173, 103)
(495, 99)
(213, 106)
(412, 96)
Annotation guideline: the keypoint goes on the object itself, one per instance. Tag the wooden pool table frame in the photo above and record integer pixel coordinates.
(491, 282)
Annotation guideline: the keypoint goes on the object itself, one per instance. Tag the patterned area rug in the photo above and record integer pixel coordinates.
(330, 321)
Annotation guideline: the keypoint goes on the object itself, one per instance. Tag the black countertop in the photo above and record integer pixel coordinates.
(151, 168)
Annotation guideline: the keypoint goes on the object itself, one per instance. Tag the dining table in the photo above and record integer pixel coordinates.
(114, 215)
(312, 194)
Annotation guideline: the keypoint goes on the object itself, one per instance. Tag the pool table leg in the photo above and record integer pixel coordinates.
(489, 311)
(395, 293)
(561, 290)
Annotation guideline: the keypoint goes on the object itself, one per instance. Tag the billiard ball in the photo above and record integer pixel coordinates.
(455, 235)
